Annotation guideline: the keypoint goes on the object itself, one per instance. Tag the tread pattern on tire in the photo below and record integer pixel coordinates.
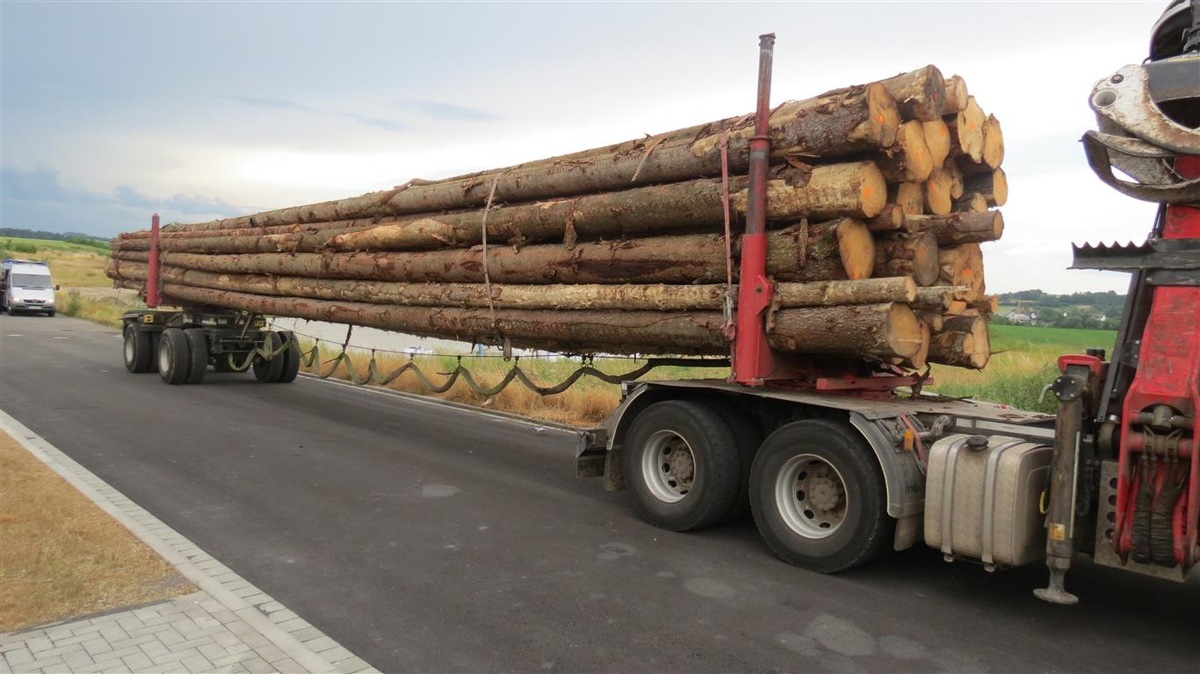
(291, 359)
(198, 351)
(143, 349)
(869, 537)
(718, 465)
(178, 356)
(269, 371)
(749, 438)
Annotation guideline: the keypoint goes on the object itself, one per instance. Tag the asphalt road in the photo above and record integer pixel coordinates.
(427, 538)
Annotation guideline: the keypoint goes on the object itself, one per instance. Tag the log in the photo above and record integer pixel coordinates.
(966, 131)
(836, 250)
(934, 319)
(962, 342)
(957, 187)
(962, 266)
(920, 359)
(986, 305)
(960, 228)
(919, 94)
(830, 293)
(890, 220)
(909, 160)
(867, 330)
(910, 197)
(624, 297)
(880, 330)
(855, 190)
(907, 254)
(937, 139)
(970, 202)
(934, 298)
(842, 122)
(992, 186)
(688, 206)
(993, 142)
(957, 96)
(937, 192)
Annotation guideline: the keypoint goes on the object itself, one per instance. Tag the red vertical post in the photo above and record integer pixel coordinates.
(752, 360)
(152, 296)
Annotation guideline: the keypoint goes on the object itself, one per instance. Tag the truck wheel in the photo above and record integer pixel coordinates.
(681, 465)
(138, 349)
(291, 358)
(174, 356)
(819, 498)
(269, 371)
(198, 348)
(749, 438)
(51, 313)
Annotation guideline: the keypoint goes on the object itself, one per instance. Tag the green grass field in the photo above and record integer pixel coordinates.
(1024, 359)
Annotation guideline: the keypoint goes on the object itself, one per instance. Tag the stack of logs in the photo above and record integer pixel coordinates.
(878, 199)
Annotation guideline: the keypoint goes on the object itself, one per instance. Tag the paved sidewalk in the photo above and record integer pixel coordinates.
(228, 626)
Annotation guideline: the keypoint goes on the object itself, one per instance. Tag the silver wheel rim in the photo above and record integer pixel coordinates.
(668, 467)
(129, 347)
(164, 356)
(811, 496)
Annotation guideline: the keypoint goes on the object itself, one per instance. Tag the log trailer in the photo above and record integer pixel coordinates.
(838, 468)
(181, 344)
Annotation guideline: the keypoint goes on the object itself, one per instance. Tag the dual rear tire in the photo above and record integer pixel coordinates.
(815, 487)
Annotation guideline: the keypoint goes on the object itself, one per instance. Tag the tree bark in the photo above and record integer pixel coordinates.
(836, 250)
(960, 228)
(824, 192)
(624, 297)
(992, 186)
(934, 298)
(970, 202)
(919, 94)
(842, 122)
(904, 254)
(890, 220)
(876, 330)
(957, 96)
(962, 342)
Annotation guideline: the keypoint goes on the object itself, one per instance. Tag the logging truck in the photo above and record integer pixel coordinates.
(822, 432)
(838, 469)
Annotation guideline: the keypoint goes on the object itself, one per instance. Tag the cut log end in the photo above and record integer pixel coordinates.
(937, 138)
(857, 248)
(883, 119)
(938, 192)
(993, 142)
(956, 95)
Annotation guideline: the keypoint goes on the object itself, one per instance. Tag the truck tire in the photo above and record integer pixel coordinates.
(266, 370)
(51, 313)
(818, 497)
(138, 349)
(681, 465)
(174, 356)
(291, 358)
(748, 439)
(198, 348)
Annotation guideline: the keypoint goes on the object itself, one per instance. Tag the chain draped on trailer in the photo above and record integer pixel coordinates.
(374, 377)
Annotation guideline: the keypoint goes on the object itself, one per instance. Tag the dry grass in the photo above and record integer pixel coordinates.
(104, 310)
(62, 556)
(585, 403)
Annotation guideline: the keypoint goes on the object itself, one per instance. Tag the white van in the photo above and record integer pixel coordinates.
(25, 285)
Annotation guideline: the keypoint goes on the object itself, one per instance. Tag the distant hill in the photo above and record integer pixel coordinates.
(70, 237)
(1076, 310)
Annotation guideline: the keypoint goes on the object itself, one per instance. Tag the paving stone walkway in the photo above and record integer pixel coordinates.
(229, 625)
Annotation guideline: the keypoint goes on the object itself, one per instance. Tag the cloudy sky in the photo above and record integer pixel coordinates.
(111, 111)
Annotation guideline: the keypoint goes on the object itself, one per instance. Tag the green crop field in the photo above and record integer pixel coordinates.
(1024, 359)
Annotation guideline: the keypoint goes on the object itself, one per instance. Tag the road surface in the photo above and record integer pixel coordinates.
(428, 538)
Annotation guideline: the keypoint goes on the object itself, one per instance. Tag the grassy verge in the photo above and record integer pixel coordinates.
(1024, 360)
(61, 555)
(103, 310)
(585, 403)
